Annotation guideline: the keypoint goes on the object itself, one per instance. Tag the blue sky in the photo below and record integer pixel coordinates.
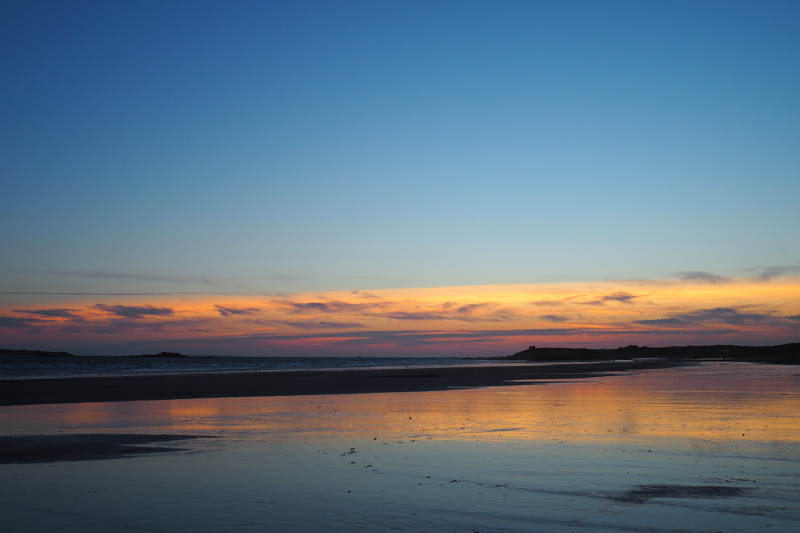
(259, 147)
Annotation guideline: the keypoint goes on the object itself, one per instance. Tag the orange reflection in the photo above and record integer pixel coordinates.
(721, 403)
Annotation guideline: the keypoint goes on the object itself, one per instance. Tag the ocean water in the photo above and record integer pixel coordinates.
(712, 447)
(13, 367)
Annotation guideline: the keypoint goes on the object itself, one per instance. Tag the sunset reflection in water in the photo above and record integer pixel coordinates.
(714, 403)
(629, 452)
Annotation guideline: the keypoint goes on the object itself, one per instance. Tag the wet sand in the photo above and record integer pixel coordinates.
(711, 447)
(291, 383)
(28, 449)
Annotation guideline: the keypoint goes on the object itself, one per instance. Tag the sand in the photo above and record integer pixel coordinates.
(702, 448)
(28, 449)
(253, 384)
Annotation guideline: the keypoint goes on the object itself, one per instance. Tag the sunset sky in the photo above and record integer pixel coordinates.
(398, 178)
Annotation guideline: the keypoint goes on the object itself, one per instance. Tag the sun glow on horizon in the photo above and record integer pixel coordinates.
(486, 319)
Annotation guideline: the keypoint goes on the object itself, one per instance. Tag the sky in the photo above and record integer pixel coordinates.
(398, 178)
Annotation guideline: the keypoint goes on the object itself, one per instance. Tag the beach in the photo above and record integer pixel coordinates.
(713, 446)
(303, 382)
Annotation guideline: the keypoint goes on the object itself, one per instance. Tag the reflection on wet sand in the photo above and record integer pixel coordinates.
(713, 447)
(711, 403)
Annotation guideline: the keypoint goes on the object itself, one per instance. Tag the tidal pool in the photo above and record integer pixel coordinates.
(714, 447)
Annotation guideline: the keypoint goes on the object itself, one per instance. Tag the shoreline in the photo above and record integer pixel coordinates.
(39, 391)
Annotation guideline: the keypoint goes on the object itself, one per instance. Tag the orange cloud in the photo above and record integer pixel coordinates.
(487, 320)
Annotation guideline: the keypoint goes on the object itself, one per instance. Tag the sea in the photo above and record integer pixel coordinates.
(37, 367)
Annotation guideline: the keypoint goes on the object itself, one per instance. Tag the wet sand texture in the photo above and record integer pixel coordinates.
(644, 493)
(658, 451)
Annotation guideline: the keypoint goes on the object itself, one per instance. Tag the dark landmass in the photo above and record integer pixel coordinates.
(35, 353)
(783, 354)
(552, 364)
(301, 382)
(40, 353)
(83, 447)
(170, 355)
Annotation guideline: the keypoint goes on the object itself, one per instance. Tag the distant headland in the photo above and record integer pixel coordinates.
(784, 353)
(40, 353)
(35, 353)
(536, 365)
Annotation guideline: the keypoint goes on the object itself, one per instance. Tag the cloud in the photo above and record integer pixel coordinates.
(703, 276)
(619, 297)
(311, 306)
(461, 314)
(415, 315)
(718, 315)
(321, 325)
(622, 297)
(562, 301)
(15, 322)
(554, 318)
(228, 311)
(50, 313)
(379, 336)
(144, 277)
(116, 325)
(328, 307)
(772, 272)
(469, 308)
(404, 310)
(365, 295)
(133, 311)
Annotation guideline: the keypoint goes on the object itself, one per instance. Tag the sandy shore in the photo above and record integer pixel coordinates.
(706, 447)
(246, 384)
(84, 447)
